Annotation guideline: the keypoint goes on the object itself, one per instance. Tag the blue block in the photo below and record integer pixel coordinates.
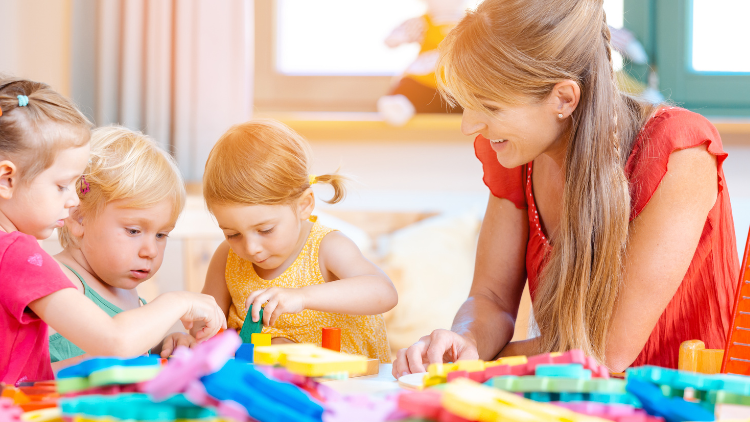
(85, 368)
(568, 397)
(671, 409)
(133, 406)
(540, 396)
(264, 399)
(245, 352)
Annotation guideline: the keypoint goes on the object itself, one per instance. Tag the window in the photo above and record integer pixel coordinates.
(699, 49)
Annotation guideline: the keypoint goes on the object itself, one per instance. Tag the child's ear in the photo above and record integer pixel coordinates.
(306, 204)
(75, 222)
(8, 179)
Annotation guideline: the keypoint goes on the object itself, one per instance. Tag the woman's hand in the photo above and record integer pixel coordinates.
(175, 340)
(440, 346)
(278, 301)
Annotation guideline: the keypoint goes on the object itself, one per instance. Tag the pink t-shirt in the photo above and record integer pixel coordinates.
(27, 273)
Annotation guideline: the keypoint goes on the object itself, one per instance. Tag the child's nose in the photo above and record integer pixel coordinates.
(149, 249)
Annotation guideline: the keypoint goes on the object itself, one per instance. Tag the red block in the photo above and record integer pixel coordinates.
(478, 376)
(497, 371)
(446, 416)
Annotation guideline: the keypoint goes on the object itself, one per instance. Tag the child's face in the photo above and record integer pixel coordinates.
(41, 206)
(266, 235)
(125, 246)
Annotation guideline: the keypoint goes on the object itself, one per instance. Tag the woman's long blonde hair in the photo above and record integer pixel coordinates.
(262, 162)
(508, 50)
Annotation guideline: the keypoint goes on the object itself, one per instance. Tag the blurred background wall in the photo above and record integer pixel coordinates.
(185, 71)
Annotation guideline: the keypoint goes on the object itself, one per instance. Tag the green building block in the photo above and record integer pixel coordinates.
(725, 397)
(122, 375)
(601, 385)
(506, 383)
(249, 327)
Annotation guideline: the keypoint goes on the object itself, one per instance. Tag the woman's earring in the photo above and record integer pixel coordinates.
(560, 115)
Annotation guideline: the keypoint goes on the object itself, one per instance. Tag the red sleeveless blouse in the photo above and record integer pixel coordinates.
(702, 306)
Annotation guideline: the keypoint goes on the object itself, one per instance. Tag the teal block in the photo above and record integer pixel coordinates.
(613, 398)
(539, 396)
(133, 406)
(573, 370)
(249, 327)
(736, 384)
(568, 397)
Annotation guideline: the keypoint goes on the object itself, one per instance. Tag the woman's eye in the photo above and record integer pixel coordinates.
(232, 236)
(268, 231)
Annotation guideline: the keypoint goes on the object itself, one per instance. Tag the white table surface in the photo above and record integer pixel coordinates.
(382, 383)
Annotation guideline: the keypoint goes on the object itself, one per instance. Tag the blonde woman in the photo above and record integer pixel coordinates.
(616, 211)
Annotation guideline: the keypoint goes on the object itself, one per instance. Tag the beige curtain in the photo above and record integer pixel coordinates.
(180, 71)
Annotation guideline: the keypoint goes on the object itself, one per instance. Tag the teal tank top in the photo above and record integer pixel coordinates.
(61, 348)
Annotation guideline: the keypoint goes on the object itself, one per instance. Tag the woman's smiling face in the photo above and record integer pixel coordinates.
(518, 133)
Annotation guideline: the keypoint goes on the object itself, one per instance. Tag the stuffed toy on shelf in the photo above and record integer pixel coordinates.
(416, 90)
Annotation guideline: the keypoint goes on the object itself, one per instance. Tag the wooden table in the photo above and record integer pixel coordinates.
(382, 383)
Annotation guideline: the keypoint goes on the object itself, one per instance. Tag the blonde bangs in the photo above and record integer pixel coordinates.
(127, 165)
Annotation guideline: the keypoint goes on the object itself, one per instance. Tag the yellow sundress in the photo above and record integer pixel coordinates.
(360, 334)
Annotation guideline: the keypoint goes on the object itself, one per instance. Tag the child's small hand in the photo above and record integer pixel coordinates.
(175, 340)
(278, 301)
(202, 308)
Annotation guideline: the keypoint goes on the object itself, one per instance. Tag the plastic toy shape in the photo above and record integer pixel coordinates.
(671, 409)
(694, 357)
(331, 338)
(264, 399)
(476, 402)
(43, 415)
(8, 411)
(362, 408)
(260, 339)
(310, 360)
(245, 352)
(137, 407)
(189, 365)
(737, 348)
(425, 404)
(98, 372)
(249, 327)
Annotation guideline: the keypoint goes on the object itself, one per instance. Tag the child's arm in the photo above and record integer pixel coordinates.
(356, 287)
(129, 333)
(216, 283)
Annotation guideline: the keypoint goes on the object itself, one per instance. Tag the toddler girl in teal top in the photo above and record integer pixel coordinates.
(131, 194)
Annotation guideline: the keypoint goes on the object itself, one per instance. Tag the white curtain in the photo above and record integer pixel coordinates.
(180, 71)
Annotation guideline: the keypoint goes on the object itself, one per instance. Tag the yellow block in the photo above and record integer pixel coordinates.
(470, 365)
(512, 360)
(709, 361)
(474, 401)
(43, 415)
(259, 339)
(441, 369)
(310, 360)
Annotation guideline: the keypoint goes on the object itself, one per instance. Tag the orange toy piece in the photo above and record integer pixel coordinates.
(694, 357)
(332, 338)
(737, 349)
(32, 398)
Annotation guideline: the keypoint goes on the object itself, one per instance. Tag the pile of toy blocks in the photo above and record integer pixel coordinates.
(205, 384)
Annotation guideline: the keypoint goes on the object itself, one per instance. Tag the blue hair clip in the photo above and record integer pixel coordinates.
(23, 101)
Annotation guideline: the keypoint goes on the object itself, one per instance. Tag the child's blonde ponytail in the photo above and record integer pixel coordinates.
(337, 182)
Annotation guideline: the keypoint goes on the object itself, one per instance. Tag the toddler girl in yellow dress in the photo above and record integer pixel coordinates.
(258, 187)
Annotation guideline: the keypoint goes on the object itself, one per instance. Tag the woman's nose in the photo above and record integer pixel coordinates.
(471, 123)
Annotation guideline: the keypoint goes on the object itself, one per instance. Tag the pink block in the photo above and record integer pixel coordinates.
(521, 370)
(571, 356)
(457, 374)
(425, 403)
(8, 411)
(188, 365)
(478, 376)
(544, 359)
(497, 371)
(107, 390)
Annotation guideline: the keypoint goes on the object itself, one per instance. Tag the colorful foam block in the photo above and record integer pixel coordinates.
(98, 372)
(671, 409)
(245, 352)
(8, 411)
(249, 327)
(310, 360)
(260, 339)
(137, 406)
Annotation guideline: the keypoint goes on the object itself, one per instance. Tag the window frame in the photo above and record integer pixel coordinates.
(665, 29)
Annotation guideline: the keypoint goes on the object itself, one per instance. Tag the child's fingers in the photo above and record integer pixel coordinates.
(258, 304)
(277, 312)
(251, 298)
(268, 312)
(182, 341)
(167, 347)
